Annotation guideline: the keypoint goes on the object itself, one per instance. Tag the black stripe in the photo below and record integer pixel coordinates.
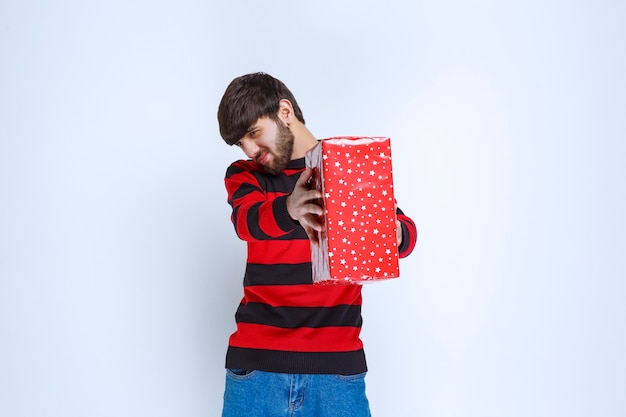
(346, 363)
(253, 223)
(284, 221)
(294, 317)
(233, 169)
(278, 274)
(280, 183)
(255, 231)
(283, 182)
(243, 190)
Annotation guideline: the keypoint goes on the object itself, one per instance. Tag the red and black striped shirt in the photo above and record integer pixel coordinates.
(284, 322)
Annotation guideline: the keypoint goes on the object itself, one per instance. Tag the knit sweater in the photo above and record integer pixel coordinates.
(284, 322)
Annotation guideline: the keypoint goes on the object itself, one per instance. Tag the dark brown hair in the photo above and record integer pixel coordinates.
(248, 98)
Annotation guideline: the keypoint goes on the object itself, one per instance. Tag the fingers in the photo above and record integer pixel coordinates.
(309, 220)
(312, 234)
(304, 177)
(299, 207)
(302, 208)
(398, 224)
(312, 208)
(399, 232)
(299, 203)
(303, 197)
(312, 227)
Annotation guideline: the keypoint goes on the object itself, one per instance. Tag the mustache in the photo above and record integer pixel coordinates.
(259, 155)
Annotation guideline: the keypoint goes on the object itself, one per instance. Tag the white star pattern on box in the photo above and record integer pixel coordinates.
(356, 178)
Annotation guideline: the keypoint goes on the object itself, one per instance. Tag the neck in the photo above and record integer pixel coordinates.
(304, 140)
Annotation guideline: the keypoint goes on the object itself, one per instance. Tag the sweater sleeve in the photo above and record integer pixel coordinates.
(257, 214)
(409, 234)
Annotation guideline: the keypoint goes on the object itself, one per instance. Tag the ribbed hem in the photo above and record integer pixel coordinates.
(342, 363)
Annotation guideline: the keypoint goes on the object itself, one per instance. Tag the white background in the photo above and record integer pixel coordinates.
(120, 271)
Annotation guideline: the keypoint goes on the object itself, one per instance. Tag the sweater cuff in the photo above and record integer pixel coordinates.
(405, 239)
(283, 220)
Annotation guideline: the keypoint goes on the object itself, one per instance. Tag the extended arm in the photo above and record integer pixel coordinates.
(257, 214)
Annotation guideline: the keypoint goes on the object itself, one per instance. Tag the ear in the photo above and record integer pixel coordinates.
(285, 111)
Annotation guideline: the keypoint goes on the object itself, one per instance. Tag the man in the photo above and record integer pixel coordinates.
(297, 347)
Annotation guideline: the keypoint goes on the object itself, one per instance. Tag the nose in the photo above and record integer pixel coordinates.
(249, 147)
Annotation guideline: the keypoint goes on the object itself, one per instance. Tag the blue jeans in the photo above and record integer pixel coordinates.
(266, 394)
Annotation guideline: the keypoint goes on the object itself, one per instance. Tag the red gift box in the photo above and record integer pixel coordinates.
(358, 242)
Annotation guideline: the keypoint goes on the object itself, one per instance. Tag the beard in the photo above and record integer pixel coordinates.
(284, 148)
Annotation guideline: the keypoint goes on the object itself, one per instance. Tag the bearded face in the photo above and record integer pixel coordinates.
(275, 160)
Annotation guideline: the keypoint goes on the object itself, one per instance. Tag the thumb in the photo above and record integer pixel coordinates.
(304, 177)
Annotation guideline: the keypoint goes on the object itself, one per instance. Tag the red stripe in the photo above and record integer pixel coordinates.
(304, 295)
(412, 234)
(292, 171)
(272, 195)
(305, 339)
(267, 219)
(271, 252)
(264, 222)
(254, 195)
(242, 226)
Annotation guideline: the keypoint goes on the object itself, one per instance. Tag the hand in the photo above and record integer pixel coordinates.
(399, 232)
(398, 226)
(301, 208)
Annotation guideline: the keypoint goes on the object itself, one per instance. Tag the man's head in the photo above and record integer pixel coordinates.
(269, 143)
(249, 98)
